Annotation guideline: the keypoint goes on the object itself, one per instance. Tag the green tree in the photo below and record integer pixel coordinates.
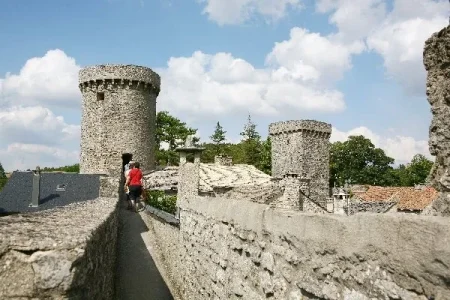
(172, 131)
(218, 137)
(3, 178)
(358, 161)
(75, 168)
(417, 170)
(251, 143)
(2, 172)
(265, 161)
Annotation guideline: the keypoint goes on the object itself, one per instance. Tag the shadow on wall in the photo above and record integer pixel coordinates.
(93, 276)
(137, 277)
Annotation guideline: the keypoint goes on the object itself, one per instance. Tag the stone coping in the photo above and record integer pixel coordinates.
(66, 227)
(162, 215)
(118, 72)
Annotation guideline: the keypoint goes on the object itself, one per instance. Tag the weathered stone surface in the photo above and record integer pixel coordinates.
(63, 253)
(222, 253)
(302, 147)
(228, 181)
(223, 160)
(436, 58)
(356, 206)
(118, 116)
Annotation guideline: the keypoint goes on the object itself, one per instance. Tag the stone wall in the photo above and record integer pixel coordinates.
(436, 58)
(238, 249)
(63, 253)
(118, 116)
(377, 207)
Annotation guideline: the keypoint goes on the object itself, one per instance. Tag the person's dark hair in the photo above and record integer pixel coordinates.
(137, 165)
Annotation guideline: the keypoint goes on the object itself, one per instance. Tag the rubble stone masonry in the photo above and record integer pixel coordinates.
(118, 116)
(436, 58)
(302, 147)
(219, 252)
(63, 253)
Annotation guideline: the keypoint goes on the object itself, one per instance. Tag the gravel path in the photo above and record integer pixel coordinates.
(137, 277)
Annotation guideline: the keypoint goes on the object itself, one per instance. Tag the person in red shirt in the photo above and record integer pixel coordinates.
(134, 184)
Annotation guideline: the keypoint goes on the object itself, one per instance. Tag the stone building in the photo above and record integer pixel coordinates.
(118, 117)
(302, 147)
(300, 171)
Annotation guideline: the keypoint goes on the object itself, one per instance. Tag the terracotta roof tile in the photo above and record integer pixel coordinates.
(408, 198)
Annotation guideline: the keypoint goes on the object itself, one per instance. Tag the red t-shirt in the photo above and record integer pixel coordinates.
(135, 176)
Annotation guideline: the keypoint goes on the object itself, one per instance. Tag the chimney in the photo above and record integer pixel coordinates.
(36, 187)
(222, 160)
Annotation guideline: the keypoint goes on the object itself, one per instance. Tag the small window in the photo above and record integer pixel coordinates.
(100, 96)
(61, 188)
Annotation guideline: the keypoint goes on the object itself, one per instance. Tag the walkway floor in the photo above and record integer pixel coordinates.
(137, 277)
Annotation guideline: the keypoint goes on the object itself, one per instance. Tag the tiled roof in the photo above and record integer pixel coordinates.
(16, 195)
(408, 198)
(411, 199)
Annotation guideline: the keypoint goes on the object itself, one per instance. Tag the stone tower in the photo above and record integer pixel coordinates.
(118, 117)
(302, 148)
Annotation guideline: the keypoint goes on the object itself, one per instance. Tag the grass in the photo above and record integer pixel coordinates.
(159, 200)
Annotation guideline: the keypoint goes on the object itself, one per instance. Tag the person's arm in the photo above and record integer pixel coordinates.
(127, 182)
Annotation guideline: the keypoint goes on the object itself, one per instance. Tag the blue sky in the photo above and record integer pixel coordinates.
(354, 64)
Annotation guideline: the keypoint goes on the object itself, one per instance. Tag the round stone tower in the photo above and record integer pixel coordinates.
(302, 148)
(118, 117)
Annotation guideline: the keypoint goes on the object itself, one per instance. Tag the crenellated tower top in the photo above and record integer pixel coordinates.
(306, 126)
(124, 75)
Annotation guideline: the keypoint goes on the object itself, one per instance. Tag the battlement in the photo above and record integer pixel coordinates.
(119, 75)
(310, 127)
(101, 85)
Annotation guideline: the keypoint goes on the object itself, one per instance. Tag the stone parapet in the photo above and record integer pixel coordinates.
(222, 253)
(63, 253)
(307, 126)
(116, 84)
(119, 74)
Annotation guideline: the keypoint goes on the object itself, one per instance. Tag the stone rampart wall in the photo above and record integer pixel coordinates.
(243, 250)
(370, 207)
(63, 253)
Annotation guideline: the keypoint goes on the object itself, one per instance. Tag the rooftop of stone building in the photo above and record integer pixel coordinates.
(56, 189)
(211, 176)
(407, 198)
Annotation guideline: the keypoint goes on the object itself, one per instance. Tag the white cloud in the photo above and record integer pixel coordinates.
(51, 79)
(31, 134)
(37, 125)
(401, 148)
(353, 19)
(221, 84)
(312, 57)
(36, 136)
(397, 35)
(238, 11)
(400, 40)
(21, 156)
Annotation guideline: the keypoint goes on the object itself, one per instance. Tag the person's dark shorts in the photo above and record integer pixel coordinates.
(135, 192)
